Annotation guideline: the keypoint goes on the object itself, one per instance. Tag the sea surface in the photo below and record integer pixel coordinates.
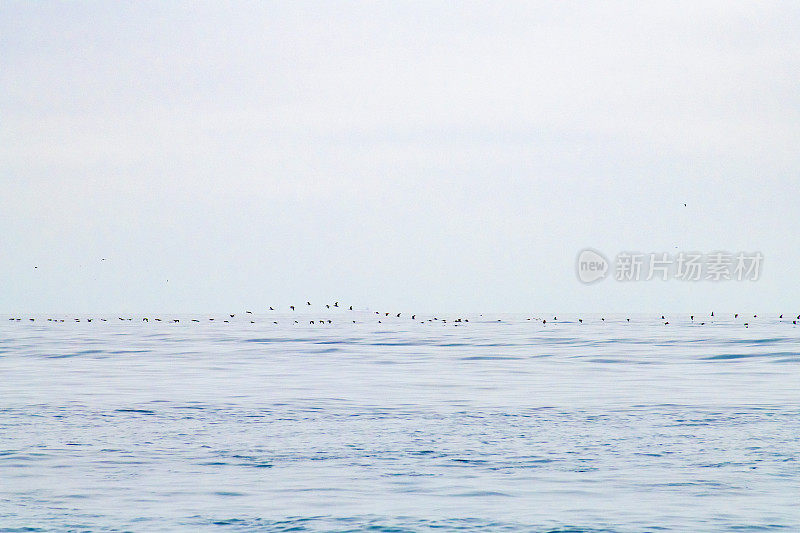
(494, 423)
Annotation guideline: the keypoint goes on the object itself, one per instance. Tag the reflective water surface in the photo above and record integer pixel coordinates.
(496, 424)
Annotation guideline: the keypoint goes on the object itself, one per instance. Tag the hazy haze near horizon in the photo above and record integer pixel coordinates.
(405, 155)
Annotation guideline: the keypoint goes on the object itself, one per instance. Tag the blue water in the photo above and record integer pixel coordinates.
(401, 425)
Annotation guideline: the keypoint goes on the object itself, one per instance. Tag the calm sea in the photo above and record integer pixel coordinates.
(496, 424)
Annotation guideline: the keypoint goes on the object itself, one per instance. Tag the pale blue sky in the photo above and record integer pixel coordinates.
(409, 155)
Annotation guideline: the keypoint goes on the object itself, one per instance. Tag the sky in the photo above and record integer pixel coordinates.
(432, 156)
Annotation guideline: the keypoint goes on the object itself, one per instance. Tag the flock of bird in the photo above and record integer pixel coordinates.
(382, 315)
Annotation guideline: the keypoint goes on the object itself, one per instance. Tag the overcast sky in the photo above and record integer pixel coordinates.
(408, 155)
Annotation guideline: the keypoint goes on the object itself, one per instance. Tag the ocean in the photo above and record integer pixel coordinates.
(490, 423)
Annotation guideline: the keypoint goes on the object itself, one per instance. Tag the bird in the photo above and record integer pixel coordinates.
(248, 312)
(398, 315)
(579, 320)
(308, 303)
(291, 307)
(336, 304)
(351, 307)
(692, 317)
(413, 317)
(327, 306)
(271, 309)
(232, 316)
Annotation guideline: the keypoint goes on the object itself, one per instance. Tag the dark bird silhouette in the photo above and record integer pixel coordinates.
(232, 316)
(413, 317)
(336, 304)
(327, 306)
(579, 320)
(308, 303)
(398, 315)
(291, 307)
(351, 307)
(195, 320)
(271, 309)
(736, 315)
(248, 312)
